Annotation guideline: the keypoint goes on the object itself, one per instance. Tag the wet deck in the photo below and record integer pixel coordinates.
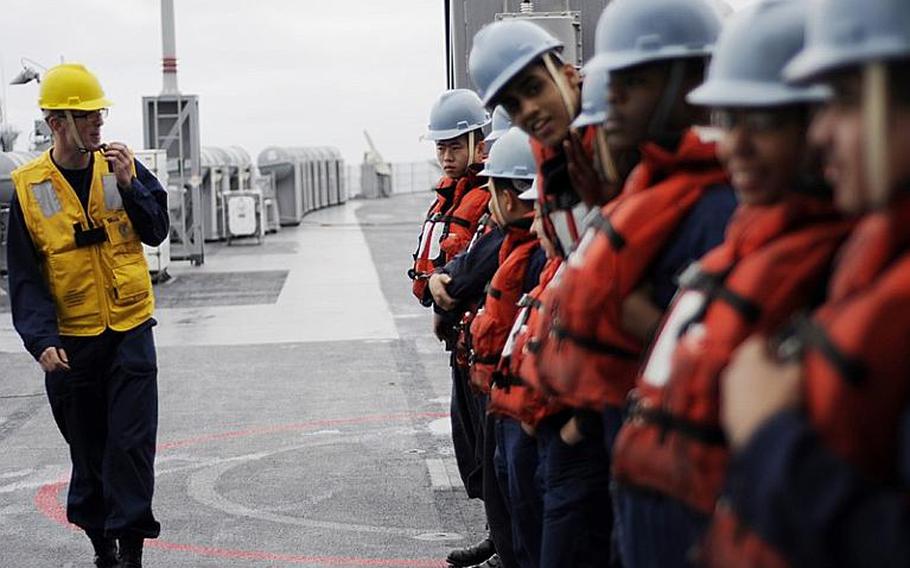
(303, 411)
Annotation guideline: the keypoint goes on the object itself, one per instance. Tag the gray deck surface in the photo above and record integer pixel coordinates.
(304, 419)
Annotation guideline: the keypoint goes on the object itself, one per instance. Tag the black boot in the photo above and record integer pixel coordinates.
(492, 562)
(131, 552)
(105, 550)
(472, 555)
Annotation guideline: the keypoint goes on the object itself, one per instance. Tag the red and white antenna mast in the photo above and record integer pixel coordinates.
(169, 49)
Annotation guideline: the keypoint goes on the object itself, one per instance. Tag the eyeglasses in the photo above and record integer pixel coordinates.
(92, 114)
(753, 120)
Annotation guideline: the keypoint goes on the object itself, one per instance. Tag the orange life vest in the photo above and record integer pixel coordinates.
(511, 394)
(563, 211)
(774, 261)
(449, 226)
(587, 359)
(856, 378)
(490, 328)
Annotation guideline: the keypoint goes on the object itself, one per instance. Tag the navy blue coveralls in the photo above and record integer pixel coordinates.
(106, 405)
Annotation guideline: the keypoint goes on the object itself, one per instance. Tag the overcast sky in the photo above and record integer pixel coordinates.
(283, 72)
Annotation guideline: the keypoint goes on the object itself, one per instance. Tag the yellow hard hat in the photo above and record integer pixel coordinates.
(70, 86)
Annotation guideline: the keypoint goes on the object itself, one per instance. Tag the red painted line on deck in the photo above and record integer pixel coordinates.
(47, 501)
(293, 558)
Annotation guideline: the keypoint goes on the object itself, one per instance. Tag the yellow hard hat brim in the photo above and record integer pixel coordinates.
(96, 104)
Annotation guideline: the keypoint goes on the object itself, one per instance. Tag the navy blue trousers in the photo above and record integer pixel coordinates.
(466, 412)
(577, 510)
(645, 518)
(106, 407)
(516, 469)
(495, 497)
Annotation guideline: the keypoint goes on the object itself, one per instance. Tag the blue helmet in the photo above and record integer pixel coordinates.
(511, 157)
(594, 94)
(456, 112)
(843, 33)
(750, 56)
(502, 50)
(501, 124)
(635, 32)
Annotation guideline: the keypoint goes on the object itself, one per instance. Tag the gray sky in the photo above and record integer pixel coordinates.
(284, 72)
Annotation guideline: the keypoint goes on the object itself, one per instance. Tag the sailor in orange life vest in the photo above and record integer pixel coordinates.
(457, 287)
(82, 301)
(774, 260)
(456, 125)
(511, 171)
(517, 64)
(674, 207)
(820, 419)
(521, 397)
(454, 219)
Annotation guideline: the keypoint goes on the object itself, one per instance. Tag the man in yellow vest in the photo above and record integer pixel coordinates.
(82, 302)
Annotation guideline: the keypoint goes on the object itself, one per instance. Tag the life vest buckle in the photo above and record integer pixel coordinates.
(86, 238)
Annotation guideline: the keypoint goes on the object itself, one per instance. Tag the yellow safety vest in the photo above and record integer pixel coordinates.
(95, 286)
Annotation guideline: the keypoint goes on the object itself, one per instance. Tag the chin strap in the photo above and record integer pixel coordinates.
(604, 156)
(495, 208)
(71, 122)
(657, 128)
(875, 119)
(562, 84)
(471, 153)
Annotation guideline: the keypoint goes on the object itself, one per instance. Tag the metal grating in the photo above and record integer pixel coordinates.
(221, 289)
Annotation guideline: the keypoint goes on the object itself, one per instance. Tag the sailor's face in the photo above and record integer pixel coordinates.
(535, 104)
(763, 150)
(837, 132)
(453, 156)
(89, 124)
(633, 97)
